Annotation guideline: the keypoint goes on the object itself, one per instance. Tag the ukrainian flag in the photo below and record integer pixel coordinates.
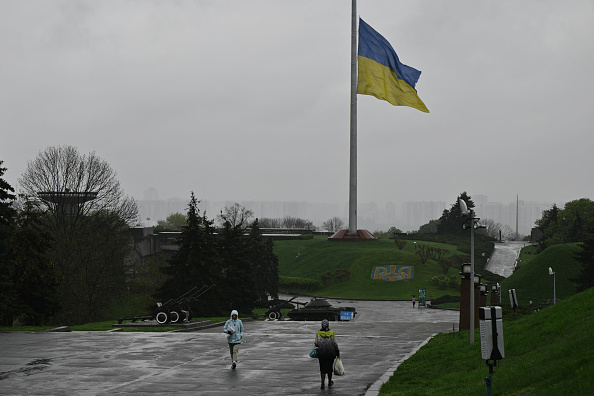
(382, 75)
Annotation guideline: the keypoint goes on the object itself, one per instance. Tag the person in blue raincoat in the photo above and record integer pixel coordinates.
(234, 330)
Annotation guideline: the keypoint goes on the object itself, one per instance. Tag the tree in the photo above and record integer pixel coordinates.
(429, 228)
(493, 229)
(266, 222)
(264, 263)
(394, 231)
(7, 265)
(62, 179)
(576, 217)
(240, 275)
(286, 222)
(196, 263)
(424, 252)
(295, 222)
(548, 217)
(173, 222)
(334, 224)
(566, 225)
(35, 275)
(236, 215)
(586, 257)
(451, 221)
(251, 268)
(87, 214)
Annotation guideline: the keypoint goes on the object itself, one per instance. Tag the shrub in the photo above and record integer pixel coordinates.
(445, 299)
(336, 276)
(445, 282)
(289, 282)
(424, 252)
(445, 264)
(400, 243)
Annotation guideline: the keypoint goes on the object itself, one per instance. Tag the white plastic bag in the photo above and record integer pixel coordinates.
(338, 367)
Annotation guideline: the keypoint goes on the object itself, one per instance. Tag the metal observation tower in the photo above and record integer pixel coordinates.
(66, 202)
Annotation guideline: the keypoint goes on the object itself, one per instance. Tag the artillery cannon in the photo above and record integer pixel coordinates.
(275, 311)
(175, 310)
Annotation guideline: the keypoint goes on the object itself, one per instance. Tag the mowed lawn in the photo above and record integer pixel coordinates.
(312, 258)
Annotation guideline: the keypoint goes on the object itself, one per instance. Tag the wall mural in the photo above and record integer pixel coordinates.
(392, 273)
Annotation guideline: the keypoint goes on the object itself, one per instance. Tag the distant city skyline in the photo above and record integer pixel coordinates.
(407, 216)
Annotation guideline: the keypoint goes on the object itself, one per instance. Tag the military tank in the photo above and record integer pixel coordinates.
(318, 309)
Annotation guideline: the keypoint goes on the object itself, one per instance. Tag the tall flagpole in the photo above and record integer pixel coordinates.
(353, 158)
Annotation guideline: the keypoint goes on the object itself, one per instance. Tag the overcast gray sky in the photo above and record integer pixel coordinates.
(249, 100)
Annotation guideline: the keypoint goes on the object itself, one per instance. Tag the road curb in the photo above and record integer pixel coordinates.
(375, 387)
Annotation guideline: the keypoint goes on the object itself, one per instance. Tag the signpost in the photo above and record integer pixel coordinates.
(491, 327)
(513, 299)
(347, 315)
(422, 298)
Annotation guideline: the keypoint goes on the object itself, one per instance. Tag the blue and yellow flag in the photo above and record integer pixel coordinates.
(382, 75)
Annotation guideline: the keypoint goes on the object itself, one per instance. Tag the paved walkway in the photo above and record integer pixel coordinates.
(503, 258)
(272, 361)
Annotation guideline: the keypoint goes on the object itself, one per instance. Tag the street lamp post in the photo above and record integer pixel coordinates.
(466, 283)
(551, 272)
(471, 221)
(494, 294)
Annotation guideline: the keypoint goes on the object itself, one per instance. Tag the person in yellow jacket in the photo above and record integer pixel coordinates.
(327, 351)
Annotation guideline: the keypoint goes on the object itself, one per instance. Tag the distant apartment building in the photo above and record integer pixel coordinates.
(524, 213)
(416, 214)
(370, 215)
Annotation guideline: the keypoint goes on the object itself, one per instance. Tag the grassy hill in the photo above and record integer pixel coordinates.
(546, 353)
(318, 255)
(532, 280)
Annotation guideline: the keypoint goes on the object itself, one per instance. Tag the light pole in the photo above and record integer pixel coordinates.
(473, 223)
(494, 294)
(466, 283)
(551, 272)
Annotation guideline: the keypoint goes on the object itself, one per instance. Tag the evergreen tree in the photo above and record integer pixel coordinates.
(240, 276)
(451, 220)
(35, 276)
(548, 224)
(7, 265)
(548, 217)
(264, 264)
(196, 263)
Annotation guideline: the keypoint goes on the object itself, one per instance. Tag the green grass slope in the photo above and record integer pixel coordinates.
(532, 280)
(547, 353)
(318, 255)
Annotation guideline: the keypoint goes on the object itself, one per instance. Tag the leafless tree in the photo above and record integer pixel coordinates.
(286, 222)
(88, 214)
(267, 222)
(73, 186)
(334, 224)
(296, 222)
(236, 215)
(492, 228)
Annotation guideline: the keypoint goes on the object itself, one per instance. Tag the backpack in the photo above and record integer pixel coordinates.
(326, 347)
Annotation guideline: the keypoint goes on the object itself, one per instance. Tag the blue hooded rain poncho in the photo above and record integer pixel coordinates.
(237, 326)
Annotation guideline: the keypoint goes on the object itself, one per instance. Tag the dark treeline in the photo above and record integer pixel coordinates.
(67, 257)
(242, 266)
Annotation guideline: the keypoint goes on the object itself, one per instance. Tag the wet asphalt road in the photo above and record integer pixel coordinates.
(273, 360)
